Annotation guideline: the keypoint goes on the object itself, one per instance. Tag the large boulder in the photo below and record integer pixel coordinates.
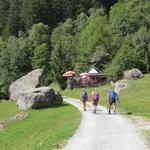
(32, 80)
(132, 74)
(39, 98)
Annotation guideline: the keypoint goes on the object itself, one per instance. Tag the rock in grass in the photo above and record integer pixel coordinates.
(133, 74)
(39, 98)
(2, 126)
(32, 80)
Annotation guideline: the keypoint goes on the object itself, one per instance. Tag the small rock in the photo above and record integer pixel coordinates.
(2, 126)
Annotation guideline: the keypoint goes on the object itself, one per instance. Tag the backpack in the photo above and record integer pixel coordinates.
(112, 96)
(96, 96)
(84, 94)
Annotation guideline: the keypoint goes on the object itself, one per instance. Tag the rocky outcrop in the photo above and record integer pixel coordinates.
(120, 85)
(133, 74)
(39, 98)
(32, 80)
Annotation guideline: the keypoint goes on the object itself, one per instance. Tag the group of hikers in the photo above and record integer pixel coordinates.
(94, 97)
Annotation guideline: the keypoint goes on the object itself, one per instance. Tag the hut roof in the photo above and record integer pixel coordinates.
(95, 72)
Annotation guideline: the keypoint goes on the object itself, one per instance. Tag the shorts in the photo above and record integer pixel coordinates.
(83, 99)
(95, 102)
(112, 102)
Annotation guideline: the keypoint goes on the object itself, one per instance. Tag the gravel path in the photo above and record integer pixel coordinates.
(103, 132)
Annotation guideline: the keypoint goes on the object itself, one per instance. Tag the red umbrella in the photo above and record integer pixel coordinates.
(69, 74)
(84, 74)
(85, 77)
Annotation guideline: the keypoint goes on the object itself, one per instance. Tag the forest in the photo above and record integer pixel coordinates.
(62, 35)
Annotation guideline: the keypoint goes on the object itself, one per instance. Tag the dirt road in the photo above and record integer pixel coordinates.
(103, 132)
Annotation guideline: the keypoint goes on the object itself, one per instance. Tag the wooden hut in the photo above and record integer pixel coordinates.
(93, 78)
(97, 77)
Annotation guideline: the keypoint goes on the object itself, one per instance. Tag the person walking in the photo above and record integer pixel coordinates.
(84, 98)
(112, 98)
(95, 99)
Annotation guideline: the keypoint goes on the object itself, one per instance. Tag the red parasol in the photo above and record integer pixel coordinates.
(69, 74)
(84, 74)
(85, 77)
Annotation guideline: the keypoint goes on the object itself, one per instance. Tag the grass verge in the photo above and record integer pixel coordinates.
(42, 130)
(147, 133)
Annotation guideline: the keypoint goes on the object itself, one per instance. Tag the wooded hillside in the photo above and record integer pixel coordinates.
(61, 35)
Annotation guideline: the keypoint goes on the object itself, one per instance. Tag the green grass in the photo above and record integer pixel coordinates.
(147, 133)
(55, 86)
(135, 99)
(7, 109)
(43, 129)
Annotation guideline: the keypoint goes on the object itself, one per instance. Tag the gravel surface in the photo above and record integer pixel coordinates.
(103, 132)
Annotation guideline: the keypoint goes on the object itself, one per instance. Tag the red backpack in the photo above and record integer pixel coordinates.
(96, 96)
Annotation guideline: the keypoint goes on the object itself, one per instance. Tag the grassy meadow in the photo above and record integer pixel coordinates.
(136, 98)
(42, 129)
